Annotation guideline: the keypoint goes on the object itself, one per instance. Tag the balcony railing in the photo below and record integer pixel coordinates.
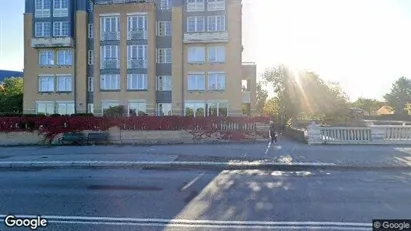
(137, 34)
(107, 2)
(208, 37)
(110, 64)
(192, 7)
(110, 35)
(213, 6)
(136, 63)
(246, 96)
(60, 12)
(52, 42)
(248, 63)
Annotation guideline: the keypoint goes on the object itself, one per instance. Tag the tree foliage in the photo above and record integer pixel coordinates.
(261, 95)
(368, 105)
(400, 95)
(11, 96)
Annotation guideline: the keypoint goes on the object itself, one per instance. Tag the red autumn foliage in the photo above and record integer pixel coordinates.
(233, 128)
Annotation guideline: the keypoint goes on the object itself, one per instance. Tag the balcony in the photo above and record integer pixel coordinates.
(108, 2)
(52, 42)
(109, 35)
(246, 96)
(137, 34)
(195, 6)
(206, 37)
(110, 64)
(136, 63)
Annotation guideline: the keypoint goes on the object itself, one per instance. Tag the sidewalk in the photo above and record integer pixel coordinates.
(287, 152)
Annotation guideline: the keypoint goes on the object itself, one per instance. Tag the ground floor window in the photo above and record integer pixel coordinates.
(137, 108)
(105, 105)
(217, 108)
(194, 109)
(65, 108)
(164, 109)
(45, 107)
(210, 108)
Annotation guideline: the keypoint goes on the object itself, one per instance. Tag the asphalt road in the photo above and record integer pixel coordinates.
(196, 200)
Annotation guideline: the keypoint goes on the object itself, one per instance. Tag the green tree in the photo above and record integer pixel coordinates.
(271, 108)
(368, 105)
(400, 95)
(261, 95)
(11, 96)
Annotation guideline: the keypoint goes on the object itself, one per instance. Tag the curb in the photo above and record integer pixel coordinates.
(171, 165)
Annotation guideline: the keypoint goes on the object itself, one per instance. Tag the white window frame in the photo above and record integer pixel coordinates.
(214, 78)
(90, 30)
(137, 56)
(49, 56)
(164, 83)
(111, 32)
(50, 81)
(139, 102)
(65, 86)
(217, 103)
(68, 57)
(48, 104)
(165, 4)
(164, 28)
(107, 85)
(60, 25)
(90, 58)
(217, 57)
(196, 102)
(197, 23)
(134, 80)
(44, 33)
(197, 76)
(90, 108)
(164, 55)
(160, 106)
(134, 31)
(216, 26)
(110, 54)
(43, 11)
(110, 103)
(60, 11)
(90, 84)
(195, 5)
(66, 103)
(214, 5)
(196, 54)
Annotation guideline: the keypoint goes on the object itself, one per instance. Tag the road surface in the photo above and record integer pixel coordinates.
(197, 200)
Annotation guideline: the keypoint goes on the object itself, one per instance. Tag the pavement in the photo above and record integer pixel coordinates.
(127, 199)
(287, 152)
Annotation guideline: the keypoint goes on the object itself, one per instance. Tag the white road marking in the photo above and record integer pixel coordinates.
(192, 182)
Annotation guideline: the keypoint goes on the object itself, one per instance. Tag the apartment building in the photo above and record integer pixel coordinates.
(155, 57)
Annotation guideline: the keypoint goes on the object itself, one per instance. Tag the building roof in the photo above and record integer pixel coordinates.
(7, 74)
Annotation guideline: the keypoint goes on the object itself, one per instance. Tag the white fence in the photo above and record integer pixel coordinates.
(374, 134)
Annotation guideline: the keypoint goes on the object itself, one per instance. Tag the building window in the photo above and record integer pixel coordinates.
(46, 83)
(110, 57)
(196, 109)
(216, 54)
(60, 29)
(164, 55)
(60, 8)
(196, 54)
(136, 56)
(164, 109)
(137, 108)
(195, 5)
(90, 58)
(165, 5)
(90, 30)
(217, 108)
(90, 108)
(64, 83)
(137, 82)
(137, 27)
(110, 82)
(42, 29)
(64, 57)
(216, 23)
(65, 108)
(46, 58)
(42, 8)
(164, 28)
(195, 24)
(90, 84)
(107, 105)
(109, 28)
(164, 83)
(213, 5)
(46, 107)
(196, 82)
(216, 80)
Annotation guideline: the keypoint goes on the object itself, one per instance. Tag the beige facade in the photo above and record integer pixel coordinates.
(232, 95)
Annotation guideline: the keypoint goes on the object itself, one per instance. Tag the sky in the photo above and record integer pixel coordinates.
(365, 45)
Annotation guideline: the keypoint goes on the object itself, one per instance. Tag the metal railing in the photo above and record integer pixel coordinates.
(110, 64)
(137, 34)
(110, 35)
(108, 2)
(136, 63)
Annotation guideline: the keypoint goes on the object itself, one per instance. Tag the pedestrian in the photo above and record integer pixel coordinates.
(273, 133)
